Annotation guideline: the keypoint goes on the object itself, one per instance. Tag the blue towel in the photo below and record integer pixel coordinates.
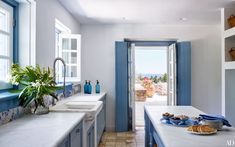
(216, 117)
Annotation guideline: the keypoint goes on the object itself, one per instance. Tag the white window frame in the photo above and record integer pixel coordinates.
(60, 28)
(9, 32)
(27, 32)
(63, 31)
(78, 52)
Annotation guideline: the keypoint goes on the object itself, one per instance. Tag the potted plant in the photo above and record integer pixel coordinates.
(37, 83)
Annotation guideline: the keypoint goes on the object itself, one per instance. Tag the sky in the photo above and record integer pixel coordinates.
(150, 61)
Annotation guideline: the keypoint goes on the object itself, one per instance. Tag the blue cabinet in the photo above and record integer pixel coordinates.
(100, 125)
(65, 142)
(91, 136)
(101, 121)
(76, 136)
(74, 139)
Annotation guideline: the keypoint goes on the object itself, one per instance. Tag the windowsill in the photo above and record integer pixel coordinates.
(5, 96)
(8, 100)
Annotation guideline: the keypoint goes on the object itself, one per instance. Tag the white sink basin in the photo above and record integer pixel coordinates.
(80, 105)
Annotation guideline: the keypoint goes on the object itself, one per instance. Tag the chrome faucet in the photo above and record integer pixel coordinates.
(54, 76)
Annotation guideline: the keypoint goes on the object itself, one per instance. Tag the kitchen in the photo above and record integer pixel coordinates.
(100, 25)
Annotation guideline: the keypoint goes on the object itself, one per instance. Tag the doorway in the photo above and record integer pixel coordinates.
(152, 79)
(125, 78)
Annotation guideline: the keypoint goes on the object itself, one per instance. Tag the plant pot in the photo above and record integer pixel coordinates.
(42, 110)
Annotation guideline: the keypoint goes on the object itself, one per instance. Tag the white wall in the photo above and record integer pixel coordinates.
(98, 59)
(46, 12)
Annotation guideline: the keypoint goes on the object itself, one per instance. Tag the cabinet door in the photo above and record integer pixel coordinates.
(65, 142)
(91, 137)
(103, 99)
(100, 124)
(76, 136)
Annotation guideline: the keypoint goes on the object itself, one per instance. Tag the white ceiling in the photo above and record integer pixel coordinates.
(161, 12)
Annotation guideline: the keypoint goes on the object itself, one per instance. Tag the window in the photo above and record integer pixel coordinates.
(6, 43)
(68, 47)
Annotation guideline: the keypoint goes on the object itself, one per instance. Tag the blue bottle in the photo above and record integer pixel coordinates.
(89, 87)
(97, 87)
(86, 87)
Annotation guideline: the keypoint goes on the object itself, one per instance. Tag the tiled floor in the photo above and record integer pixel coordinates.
(123, 139)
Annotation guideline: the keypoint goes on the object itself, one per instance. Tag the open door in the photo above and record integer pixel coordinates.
(184, 73)
(171, 90)
(121, 86)
(131, 79)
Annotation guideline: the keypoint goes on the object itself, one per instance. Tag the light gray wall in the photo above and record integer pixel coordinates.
(98, 59)
(47, 11)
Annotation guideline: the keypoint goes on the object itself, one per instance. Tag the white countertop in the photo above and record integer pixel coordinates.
(178, 136)
(39, 130)
(84, 97)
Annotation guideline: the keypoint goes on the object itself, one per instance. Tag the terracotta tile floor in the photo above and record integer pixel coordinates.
(123, 139)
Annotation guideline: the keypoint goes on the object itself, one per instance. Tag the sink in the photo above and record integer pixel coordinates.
(90, 108)
(80, 105)
(77, 106)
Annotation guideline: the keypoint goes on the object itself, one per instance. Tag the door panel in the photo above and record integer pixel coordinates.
(131, 79)
(184, 73)
(172, 98)
(121, 85)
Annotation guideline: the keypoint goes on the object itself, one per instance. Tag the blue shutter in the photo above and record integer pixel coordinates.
(183, 53)
(121, 83)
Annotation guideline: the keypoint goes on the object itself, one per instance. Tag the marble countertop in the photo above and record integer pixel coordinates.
(172, 136)
(39, 130)
(84, 97)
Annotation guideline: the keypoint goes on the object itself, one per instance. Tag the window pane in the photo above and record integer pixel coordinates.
(71, 71)
(69, 57)
(69, 44)
(4, 69)
(65, 44)
(4, 45)
(66, 57)
(4, 20)
(73, 44)
(74, 58)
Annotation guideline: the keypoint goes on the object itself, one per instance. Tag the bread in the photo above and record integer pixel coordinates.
(190, 128)
(206, 128)
(201, 128)
(193, 128)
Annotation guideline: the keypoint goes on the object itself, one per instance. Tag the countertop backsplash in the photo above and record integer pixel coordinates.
(12, 114)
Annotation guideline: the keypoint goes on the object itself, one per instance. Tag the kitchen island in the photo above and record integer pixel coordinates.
(170, 136)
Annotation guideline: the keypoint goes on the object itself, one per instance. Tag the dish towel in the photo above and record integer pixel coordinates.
(215, 117)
